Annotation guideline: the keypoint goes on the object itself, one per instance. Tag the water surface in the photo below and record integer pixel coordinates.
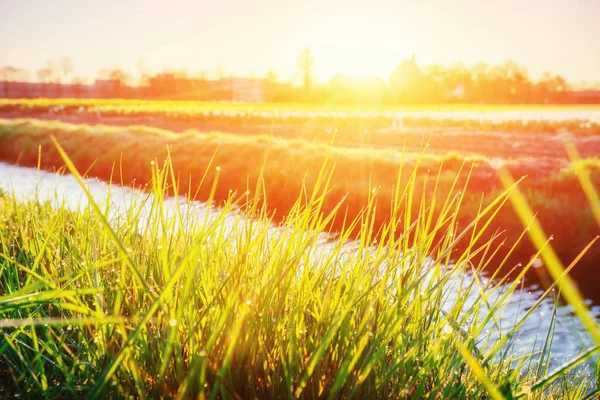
(570, 337)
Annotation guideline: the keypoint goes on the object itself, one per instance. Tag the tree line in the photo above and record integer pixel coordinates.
(408, 83)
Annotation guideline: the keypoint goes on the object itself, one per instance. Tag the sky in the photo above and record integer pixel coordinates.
(248, 38)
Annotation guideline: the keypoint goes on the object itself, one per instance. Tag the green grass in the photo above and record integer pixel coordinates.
(179, 304)
(288, 167)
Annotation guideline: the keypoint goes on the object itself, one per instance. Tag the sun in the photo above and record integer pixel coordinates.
(354, 45)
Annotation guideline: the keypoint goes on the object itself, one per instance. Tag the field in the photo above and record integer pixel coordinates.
(408, 207)
(288, 162)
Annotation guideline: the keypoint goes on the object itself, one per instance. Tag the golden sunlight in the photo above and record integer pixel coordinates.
(300, 199)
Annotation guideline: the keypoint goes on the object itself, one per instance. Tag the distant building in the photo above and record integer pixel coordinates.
(163, 86)
(16, 90)
(406, 77)
(585, 96)
(246, 90)
(107, 84)
(174, 86)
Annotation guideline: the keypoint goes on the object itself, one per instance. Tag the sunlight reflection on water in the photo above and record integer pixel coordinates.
(570, 338)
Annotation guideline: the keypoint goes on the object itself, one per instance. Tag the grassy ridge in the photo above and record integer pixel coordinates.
(286, 166)
(240, 114)
(207, 105)
(210, 309)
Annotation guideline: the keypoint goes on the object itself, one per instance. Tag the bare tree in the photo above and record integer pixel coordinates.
(220, 72)
(271, 76)
(22, 75)
(181, 73)
(66, 66)
(78, 80)
(44, 75)
(54, 72)
(143, 72)
(120, 76)
(8, 73)
(201, 75)
(306, 66)
(13, 74)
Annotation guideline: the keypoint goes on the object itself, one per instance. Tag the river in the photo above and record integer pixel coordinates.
(570, 337)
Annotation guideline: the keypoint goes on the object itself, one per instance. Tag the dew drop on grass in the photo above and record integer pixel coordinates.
(496, 163)
(173, 322)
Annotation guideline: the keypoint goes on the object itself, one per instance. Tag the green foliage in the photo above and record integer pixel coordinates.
(289, 166)
(220, 304)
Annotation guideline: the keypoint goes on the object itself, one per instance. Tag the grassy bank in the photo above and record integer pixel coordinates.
(298, 106)
(475, 118)
(286, 166)
(182, 305)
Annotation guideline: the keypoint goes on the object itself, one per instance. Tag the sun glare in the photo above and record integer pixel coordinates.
(351, 42)
(310, 199)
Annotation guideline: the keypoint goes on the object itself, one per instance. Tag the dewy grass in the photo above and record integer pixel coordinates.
(555, 195)
(149, 301)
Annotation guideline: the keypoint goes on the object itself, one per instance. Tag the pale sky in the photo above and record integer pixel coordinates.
(360, 38)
